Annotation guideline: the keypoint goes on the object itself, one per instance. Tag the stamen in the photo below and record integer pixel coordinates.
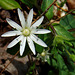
(26, 32)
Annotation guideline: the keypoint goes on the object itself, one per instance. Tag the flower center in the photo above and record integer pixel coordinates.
(43, 54)
(26, 32)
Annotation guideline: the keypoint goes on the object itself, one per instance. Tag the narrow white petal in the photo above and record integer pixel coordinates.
(14, 24)
(31, 45)
(22, 45)
(33, 30)
(21, 17)
(15, 41)
(11, 33)
(38, 40)
(42, 31)
(30, 17)
(38, 22)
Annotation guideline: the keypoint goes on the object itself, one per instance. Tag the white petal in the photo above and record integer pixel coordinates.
(33, 30)
(22, 45)
(15, 41)
(31, 45)
(30, 17)
(21, 17)
(38, 40)
(42, 31)
(11, 33)
(38, 22)
(14, 24)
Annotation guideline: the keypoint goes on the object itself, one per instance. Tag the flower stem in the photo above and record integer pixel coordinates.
(31, 62)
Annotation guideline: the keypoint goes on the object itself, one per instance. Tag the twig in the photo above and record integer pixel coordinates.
(29, 60)
(9, 62)
(62, 16)
(47, 9)
(63, 9)
(49, 23)
(60, 7)
(44, 12)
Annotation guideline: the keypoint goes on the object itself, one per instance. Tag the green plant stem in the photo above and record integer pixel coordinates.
(30, 63)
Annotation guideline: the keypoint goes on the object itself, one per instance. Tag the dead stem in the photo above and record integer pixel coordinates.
(61, 17)
(9, 62)
(46, 9)
(49, 23)
(47, 19)
(44, 12)
(63, 9)
(29, 57)
(60, 7)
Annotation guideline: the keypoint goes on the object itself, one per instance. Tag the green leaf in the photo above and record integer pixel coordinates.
(62, 41)
(63, 70)
(72, 56)
(45, 5)
(60, 62)
(68, 22)
(51, 72)
(60, 30)
(49, 39)
(9, 4)
(62, 3)
(39, 48)
(30, 3)
(30, 69)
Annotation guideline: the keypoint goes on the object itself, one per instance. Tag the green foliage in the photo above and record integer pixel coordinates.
(39, 48)
(29, 3)
(60, 30)
(68, 22)
(45, 5)
(62, 44)
(61, 64)
(62, 3)
(47, 38)
(31, 69)
(9, 4)
(63, 50)
(72, 56)
(62, 67)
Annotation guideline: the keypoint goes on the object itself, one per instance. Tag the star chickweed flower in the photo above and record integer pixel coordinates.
(26, 32)
(44, 56)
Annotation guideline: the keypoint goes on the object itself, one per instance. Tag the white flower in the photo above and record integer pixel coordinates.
(44, 56)
(26, 32)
